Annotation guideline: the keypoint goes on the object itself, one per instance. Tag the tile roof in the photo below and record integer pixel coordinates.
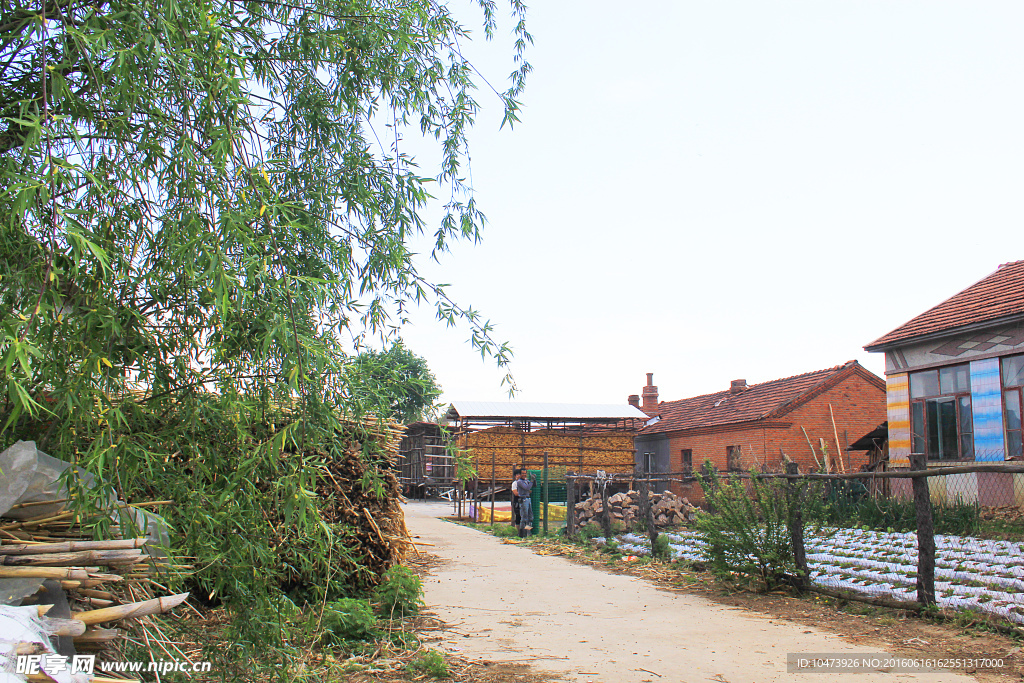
(758, 401)
(998, 295)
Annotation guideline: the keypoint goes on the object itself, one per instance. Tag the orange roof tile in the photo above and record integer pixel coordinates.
(757, 401)
(996, 296)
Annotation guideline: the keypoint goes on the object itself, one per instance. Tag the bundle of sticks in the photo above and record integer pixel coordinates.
(104, 582)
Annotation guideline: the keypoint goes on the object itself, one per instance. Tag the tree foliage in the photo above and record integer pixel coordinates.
(201, 205)
(399, 381)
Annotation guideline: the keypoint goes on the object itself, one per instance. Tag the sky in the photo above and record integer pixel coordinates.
(729, 190)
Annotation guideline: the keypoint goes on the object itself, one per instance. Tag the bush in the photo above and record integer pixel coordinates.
(430, 663)
(348, 619)
(748, 533)
(400, 593)
(661, 550)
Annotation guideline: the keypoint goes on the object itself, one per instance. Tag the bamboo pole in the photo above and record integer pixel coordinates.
(97, 635)
(813, 454)
(43, 573)
(71, 546)
(835, 433)
(98, 557)
(131, 610)
(63, 627)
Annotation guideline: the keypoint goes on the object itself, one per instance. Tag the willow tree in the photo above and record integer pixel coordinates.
(203, 202)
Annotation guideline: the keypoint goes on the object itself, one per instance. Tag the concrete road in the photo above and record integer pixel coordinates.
(507, 603)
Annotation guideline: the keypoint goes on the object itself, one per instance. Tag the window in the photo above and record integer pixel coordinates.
(1013, 380)
(941, 422)
(686, 459)
(648, 462)
(732, 454)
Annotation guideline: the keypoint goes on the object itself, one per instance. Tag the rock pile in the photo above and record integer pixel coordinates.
(668, 509)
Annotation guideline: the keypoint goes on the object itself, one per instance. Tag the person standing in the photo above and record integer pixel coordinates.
(524, 487)
(516, 474)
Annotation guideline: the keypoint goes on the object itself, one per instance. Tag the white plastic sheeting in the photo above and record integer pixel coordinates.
(20, 626)
(969, 573)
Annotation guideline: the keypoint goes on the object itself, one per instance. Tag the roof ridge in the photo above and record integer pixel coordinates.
(833, 369)
(966, 294)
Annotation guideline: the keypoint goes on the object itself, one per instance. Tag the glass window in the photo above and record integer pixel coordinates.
(1013, 410)
(941, 420)
(733, 458)
(1013, 371)
(924, 384)
(954, 380)
(917, 426)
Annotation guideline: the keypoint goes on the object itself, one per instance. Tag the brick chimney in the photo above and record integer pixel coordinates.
(650, 394)
(634, 400)
(738, 386)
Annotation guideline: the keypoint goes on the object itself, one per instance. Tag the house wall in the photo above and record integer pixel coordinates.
(858, 405)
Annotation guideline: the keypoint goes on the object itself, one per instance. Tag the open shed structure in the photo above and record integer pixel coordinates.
(425, 467)
(577, 437)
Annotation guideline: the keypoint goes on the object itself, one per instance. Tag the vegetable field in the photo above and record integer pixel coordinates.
(970, 573)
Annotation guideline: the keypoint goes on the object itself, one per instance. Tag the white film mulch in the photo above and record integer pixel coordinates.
(969, 572)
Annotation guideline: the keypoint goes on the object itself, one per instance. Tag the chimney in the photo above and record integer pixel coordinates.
(738, 386)
(634, 400)
(650, 394)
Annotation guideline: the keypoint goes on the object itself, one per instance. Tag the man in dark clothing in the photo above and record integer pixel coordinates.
(523, 488)
(515, 497)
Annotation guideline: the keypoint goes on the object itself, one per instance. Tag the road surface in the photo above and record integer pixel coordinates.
(506, 603)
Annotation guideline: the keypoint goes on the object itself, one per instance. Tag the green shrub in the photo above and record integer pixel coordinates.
(590, 531)
(431, 663)
(348, 619)
(748, 533)
(660, 550)
(400, 593)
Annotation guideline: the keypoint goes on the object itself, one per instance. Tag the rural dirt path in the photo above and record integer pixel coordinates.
(505, 603)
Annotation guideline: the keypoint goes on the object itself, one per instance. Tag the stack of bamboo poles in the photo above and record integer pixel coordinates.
(105, 581)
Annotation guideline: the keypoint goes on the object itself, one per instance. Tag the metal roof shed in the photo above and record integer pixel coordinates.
(469, 415)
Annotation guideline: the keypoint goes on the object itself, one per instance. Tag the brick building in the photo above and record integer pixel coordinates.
(955, 376)
(750, 426)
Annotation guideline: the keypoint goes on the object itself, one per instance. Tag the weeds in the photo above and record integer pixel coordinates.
(348, 619)
(400, 593)
(430, 663)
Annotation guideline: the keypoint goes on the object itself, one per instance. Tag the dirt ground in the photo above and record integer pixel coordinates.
(505, 605)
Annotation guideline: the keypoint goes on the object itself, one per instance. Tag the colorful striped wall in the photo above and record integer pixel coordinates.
(898, 404)
(987, 407)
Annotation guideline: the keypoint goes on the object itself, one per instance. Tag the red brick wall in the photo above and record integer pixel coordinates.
(858, 405)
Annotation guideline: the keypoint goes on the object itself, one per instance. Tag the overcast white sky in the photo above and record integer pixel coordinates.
(719, 190)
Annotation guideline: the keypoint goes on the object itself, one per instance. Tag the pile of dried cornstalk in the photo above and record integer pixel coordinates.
(104, 582)
(379, 523)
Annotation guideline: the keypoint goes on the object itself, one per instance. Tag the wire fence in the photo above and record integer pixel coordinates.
(949, 536)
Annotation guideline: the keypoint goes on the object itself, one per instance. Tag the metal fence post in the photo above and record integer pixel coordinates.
(570, 506)
(547, 497)
(925, 533)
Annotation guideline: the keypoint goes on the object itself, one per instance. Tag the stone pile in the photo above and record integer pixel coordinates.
(668, 509)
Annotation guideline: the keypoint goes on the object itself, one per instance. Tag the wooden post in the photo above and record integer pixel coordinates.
(494, 455)
(570, 506)
(652, 529)
(547, 497)
(925, 533)
(796, 525)
(606, 510)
